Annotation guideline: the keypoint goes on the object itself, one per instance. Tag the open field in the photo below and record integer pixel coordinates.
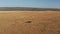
(29, 22)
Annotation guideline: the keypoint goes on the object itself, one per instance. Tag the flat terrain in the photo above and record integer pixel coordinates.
(29, 22)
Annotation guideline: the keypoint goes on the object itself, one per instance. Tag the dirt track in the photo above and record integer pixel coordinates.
(28, 22)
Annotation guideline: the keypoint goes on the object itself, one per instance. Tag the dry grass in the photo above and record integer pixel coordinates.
(28, 22)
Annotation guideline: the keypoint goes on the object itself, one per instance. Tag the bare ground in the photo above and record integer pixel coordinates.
(29, 22)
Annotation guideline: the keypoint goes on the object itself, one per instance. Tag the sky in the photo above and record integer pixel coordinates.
(30, 3)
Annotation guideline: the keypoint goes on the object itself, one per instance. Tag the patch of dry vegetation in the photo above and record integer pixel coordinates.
(29, 22)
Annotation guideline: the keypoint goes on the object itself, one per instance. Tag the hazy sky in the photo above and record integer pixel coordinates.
(30, 3)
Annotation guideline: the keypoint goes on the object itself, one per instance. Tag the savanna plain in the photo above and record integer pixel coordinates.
(29, 22)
